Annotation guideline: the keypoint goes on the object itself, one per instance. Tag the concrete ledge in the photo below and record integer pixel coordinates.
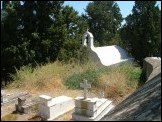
(152, 66)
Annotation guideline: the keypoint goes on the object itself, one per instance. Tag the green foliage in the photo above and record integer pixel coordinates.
(38, 32)
(142, 78)
(83, 55)
(74, 27)
(104, 18)
(55, 75)
(74, 81)
(142, 33)
(132, 73)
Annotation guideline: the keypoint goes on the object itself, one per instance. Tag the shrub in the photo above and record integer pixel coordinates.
(73, 82)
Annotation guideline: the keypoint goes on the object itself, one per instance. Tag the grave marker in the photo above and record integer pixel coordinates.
(85, 85)
(90, 109)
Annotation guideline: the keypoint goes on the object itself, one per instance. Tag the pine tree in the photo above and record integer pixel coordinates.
(25, 34)
(104, 19)
(142, 30)
(74, 27)
(38, 31)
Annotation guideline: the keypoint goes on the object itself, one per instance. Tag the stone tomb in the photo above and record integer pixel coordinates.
(90, 109)
(50, 108)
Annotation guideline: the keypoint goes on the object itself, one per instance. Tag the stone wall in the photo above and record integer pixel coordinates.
(151, 67)
(145, 103)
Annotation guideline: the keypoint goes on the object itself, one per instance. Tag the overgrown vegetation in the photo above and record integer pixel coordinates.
(120, 81)
(115, 81)
(129, 72)
(74, 81)
(47, 74)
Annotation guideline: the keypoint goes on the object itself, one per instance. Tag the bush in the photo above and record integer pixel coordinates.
(73, 82)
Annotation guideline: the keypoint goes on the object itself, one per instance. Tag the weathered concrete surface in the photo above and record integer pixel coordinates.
(144, 104)
(26, 105)
(152, 66)
(9, 101)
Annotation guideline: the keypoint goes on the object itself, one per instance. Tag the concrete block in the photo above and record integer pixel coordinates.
(88, 103)
(103, 106)
(29, 108)
(56, 107)
(97, 116)
(45, 99)
(100, 106)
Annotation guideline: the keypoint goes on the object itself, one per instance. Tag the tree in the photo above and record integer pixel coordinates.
(74, 27)
(38, 32)
(25, 33)
(11, 46)
(42, 26)
(104, 19)
(142, 30)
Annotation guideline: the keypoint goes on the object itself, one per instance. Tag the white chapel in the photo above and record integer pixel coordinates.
(106, 55)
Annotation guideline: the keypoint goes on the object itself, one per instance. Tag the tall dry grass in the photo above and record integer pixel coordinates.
(120, 82)
(46, 77)
(116, 82)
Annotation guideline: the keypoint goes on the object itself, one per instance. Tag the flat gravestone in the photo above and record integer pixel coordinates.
(50, 108)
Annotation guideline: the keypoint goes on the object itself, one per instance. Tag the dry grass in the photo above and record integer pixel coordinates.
(116, 83)
(114, 86)
(48, 79)
(9, 117)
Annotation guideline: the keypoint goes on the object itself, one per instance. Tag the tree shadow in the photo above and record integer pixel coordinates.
(36, 118)
(17, 112)
(142, 79)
